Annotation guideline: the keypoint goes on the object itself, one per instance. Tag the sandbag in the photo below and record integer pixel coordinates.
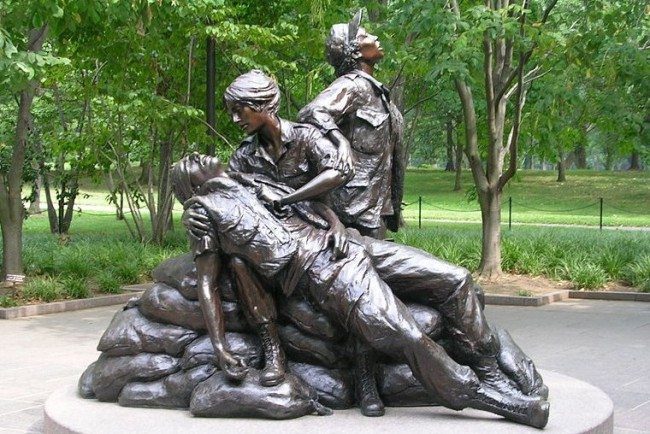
(310, 320)
(173, 391)
(309, 349)
(398, 388)
(334, 387)
(131, 333)
(180, 273)
(219, 397)
(164, 304)
(111, 374)
(428, 319)
(245, 346)
(85, 384)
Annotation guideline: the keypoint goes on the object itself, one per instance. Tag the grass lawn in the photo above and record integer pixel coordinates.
(101, 257)
(537, 197)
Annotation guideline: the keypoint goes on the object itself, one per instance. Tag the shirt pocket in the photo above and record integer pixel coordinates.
(370, 131)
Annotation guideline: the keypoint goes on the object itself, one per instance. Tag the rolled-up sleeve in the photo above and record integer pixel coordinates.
(331, 105)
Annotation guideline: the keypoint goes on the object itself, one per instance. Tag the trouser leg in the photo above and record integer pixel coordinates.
(383, 322)
(259, 308)
(379, 319)
(414, 275)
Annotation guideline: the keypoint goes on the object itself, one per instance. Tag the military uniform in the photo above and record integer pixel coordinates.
(359, 107)
(294, 254)
(306, 153)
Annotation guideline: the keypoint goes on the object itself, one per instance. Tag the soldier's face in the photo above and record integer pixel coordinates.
(204, 167)
(369, 46)
(247, 118)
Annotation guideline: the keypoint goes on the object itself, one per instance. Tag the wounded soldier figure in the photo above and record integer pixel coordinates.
(362, 291)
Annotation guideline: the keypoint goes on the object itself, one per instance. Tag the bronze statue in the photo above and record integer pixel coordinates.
(356, 113)
(354, 291)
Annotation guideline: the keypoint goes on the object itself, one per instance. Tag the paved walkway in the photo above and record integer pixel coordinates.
(602, 342)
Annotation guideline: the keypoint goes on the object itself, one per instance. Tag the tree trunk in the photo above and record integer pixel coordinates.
(51, 211)
(459, 166)
(561, 172)
(11, 205)
(490, 266)
(580, 156)
(634, 161)
(609, 158)
(35, 205)
(561, 169)
(449, 127)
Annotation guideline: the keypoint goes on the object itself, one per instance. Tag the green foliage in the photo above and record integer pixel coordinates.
(576, 255)
(45, 289)
(6, 301)
(108, 282)
(75, 287)
(584, 275)
(637, 273)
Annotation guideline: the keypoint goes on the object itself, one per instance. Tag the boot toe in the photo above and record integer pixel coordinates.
(372, 408)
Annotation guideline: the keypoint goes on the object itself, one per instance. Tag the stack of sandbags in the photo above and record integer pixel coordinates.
(156, 353)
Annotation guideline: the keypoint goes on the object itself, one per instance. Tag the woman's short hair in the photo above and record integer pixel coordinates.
(256, 90)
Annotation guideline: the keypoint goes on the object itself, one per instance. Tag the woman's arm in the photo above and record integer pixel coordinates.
(325, 181)
(208, 267)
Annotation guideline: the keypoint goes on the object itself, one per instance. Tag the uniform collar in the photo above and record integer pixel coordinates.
(287, 136)
(375, 83)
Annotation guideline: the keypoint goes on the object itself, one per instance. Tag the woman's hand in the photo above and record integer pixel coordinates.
(196, 221)
(338, 238)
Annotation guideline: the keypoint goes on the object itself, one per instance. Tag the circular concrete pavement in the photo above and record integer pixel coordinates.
(576, 407)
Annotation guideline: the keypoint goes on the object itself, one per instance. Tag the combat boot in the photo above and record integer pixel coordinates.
(368, 398)
(274, 360)
(531, 412)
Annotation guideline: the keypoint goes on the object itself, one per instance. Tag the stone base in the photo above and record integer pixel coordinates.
(576, 407)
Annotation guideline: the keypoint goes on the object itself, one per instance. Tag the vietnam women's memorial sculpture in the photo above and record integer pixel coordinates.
(265, 315)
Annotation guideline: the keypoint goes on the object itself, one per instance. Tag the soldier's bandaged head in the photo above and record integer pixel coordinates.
(256, 90)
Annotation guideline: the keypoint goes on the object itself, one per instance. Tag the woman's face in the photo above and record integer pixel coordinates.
(249, 119)
(369, 46)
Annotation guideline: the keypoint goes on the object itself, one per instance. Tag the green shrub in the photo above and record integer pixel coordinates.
(638, 273)
(6, 301)
(75, 288)
(524, 293)
(42, 288)
(75, 263)
(585, 275)
(109, 283)
(127, 273)
(613, 261)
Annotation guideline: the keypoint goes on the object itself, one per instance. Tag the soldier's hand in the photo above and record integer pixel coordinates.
(196, 222)
(234, 367)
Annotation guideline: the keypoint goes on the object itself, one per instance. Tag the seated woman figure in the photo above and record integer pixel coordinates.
(297, 155)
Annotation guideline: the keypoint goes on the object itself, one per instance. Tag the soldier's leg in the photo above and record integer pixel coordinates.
(378, 318)
(415, 275)
(259, 308)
